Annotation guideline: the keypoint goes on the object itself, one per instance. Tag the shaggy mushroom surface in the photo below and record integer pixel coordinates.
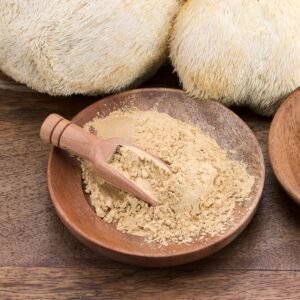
(240, 52)
(83, 46)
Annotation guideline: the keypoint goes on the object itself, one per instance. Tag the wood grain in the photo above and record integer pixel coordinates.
(264, 262)
(88, 283)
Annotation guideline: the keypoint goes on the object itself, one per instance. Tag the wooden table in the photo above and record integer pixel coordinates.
(39, 258)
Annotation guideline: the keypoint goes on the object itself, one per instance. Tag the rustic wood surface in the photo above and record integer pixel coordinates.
(39, 259)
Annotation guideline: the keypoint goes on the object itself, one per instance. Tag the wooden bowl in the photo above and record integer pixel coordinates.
(284, 145)
(70, 201)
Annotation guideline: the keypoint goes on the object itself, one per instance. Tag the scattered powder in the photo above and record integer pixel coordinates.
(197, 200)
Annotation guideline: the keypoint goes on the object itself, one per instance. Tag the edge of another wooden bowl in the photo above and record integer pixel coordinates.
(278, 145)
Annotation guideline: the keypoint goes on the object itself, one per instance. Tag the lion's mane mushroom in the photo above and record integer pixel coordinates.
(241, 52)
(83, 46)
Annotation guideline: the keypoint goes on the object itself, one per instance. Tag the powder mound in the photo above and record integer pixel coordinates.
(198, 199)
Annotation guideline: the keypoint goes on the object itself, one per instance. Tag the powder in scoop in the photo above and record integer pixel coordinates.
(198, 199)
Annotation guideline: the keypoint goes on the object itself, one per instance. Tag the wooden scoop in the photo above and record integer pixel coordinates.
(63, 134)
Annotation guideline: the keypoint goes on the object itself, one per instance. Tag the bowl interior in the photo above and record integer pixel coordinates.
(65, 185)
(284, 145)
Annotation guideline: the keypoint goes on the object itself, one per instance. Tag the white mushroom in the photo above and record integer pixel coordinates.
(241, 52)
(83, 46)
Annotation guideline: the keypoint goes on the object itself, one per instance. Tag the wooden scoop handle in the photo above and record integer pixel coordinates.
(63, 134)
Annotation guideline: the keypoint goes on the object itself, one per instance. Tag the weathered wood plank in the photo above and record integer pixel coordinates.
(41, 260)
(87, 283)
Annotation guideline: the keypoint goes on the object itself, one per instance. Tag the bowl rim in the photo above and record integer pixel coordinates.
(271, 147)
(230, 235)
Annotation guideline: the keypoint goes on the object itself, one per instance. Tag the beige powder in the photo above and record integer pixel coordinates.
(198, 198)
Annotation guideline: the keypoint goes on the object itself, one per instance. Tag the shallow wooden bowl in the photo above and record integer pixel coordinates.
(284, 145)
(71, 204)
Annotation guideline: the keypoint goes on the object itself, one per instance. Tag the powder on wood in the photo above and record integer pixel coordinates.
(198, 198)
